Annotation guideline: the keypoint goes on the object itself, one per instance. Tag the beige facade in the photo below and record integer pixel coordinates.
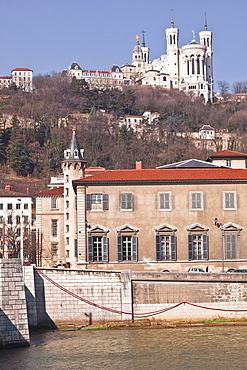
(189, 214)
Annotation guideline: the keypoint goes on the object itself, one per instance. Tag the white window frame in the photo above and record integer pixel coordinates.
(192, 201)
(54, 203)
(124, 202)
(165, 201)
(227, 200)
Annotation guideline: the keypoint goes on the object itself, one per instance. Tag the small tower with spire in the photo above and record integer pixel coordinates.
(73, 166)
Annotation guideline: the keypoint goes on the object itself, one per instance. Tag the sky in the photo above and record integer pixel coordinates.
(48, 35)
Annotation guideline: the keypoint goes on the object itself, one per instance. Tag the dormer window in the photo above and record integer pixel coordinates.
(76, 153)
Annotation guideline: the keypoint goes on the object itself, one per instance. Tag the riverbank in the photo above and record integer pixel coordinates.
(151, 324)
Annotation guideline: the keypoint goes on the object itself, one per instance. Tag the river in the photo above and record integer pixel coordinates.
(132, 349)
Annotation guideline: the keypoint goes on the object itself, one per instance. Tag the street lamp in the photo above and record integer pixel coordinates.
(221, 227)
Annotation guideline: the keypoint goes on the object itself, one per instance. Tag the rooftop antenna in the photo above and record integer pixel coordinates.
(205, 22)
(172, 19)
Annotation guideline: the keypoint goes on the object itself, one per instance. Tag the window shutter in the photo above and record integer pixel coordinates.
(158, 248)
(162, 201)
(88, 202)
(90, 249)
(129, 201)
(121, 201)
(134, 247)
(205, 246)
(173, 248)
(105, 248)
(120, 248)
(167, 201)
(190, 247)
(105, 202)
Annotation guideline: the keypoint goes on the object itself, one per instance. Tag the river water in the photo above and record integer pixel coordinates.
(132, 349)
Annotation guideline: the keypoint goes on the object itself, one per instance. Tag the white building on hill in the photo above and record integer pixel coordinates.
(188, 68)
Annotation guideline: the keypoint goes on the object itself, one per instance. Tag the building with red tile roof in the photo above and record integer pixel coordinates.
(186, 214)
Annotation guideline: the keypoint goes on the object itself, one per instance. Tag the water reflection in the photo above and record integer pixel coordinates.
(144, 349)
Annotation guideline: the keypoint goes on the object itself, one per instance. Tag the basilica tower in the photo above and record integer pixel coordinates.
(206, 39)
(172, 38)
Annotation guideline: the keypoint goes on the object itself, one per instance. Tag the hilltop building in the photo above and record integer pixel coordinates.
(20, 77)
(188, 68)
(145, 219)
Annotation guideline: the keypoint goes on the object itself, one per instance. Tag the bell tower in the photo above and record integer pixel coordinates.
(73, 166)
(172, 36)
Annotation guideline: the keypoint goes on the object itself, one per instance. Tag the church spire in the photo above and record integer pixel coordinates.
(172, 19)
(205, 22)
(74, 153)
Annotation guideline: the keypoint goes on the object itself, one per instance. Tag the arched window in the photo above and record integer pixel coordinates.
(188, 67)
(193, 65)
(170, 39)
(198, 64)
(174, 39)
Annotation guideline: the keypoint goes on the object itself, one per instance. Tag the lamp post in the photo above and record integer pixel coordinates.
(220, 226)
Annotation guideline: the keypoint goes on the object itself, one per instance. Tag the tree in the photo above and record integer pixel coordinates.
(224, 88)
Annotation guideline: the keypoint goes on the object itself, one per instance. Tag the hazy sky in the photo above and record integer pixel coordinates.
(48, 35)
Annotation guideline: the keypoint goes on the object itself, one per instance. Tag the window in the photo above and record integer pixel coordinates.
(18, 206)
(230, 246)
(67, 216)
(67, 228)
(126, 201)
(165, 201)
(9, 206)
(228, 162)
(54, 227)
(54, 249)
(67, 192)
(54, 203)
(97, 201)
(9, 220)
(67, 204)
(18, 220)
(1, 220)
(198, 246)
(98, 248)
(166, 247)
(230, 200)
(1, 205)
(18, 231)
(67, 240)
(127, 247)
(196, 201)
(25, 219)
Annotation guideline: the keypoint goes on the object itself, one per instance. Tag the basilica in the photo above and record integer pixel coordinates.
(188, 68)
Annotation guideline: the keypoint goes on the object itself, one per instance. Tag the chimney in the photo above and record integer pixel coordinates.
(7, 187)
(27, 191)
(138, 165)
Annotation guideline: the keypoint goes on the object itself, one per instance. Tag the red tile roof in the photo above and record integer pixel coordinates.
(228, 153)
(7, 77)
(9, 193)
(50, 192)
(22, 69)
(166, 175)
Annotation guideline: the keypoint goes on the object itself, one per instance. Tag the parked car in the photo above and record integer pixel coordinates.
(242, 271)
(230, 270)
(166, 270)
(195, 269)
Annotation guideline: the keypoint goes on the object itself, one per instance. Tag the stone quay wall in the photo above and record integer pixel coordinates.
(215, 296)
(13, 310)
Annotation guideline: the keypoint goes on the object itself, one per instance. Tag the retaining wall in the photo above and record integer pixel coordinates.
(13, 311)
(133, 292)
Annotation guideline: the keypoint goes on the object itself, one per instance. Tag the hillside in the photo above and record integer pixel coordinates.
(33, 144)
